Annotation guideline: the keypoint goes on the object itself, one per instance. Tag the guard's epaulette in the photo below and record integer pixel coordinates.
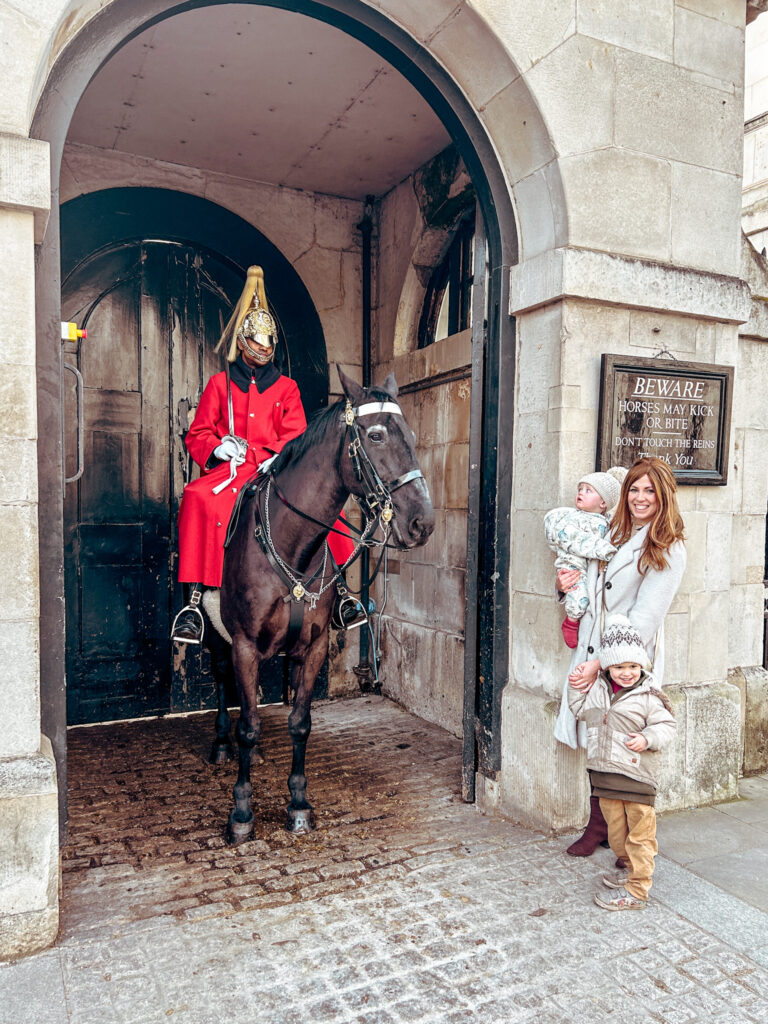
(663, 698)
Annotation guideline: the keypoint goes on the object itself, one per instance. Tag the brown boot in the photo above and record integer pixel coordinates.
(595, 833)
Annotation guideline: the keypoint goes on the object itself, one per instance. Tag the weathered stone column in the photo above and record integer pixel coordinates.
(572, 306)
(29, 862)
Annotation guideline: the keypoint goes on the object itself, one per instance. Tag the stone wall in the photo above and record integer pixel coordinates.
(29, 869)
(422, 628)
(755, 196)
(715, 623)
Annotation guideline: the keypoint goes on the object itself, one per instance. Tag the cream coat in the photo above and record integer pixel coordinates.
(644, 600)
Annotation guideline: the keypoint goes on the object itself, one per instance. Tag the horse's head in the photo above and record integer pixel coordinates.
(383, 462)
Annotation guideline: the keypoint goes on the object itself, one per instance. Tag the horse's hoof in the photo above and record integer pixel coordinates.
(238, 831)
(300, 821)
(221, 752)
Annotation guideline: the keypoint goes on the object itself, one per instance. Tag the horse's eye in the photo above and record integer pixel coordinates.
(377, 435)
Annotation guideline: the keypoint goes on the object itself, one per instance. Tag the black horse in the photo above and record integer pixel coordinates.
(278, 586)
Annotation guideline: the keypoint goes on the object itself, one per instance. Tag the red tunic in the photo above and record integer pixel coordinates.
(267, 421)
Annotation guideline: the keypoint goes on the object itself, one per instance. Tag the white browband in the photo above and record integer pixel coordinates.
(378, 407)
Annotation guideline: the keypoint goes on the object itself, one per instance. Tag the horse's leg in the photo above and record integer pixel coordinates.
(222, 749)
(246, 660)
(300, 817)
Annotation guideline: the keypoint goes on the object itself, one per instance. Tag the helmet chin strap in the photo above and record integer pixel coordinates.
(260, 358)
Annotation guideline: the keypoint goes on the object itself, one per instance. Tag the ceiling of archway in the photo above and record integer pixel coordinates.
(264, 94)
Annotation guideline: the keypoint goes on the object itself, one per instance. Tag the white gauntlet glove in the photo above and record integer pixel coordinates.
(264, 466)
(228, 450)
(231, 450)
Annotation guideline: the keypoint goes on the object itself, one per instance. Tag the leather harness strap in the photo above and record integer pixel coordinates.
(296, 608)
(254, 488)
(375, 505)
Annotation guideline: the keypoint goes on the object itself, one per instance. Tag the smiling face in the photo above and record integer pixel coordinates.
(643, 500)
(588, 500)
(625, 674)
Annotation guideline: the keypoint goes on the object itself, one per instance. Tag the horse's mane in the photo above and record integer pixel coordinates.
(317, 428)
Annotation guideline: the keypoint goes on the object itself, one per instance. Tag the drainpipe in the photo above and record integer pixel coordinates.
(363, 670)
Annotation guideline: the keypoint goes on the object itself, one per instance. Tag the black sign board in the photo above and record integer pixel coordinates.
(679, 412)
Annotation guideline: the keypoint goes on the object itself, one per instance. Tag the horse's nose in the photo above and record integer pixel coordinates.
(420, 527)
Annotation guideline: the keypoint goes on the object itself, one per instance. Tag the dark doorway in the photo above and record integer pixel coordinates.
(153, 309)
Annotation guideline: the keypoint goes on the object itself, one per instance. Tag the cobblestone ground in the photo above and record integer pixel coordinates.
(405, 905)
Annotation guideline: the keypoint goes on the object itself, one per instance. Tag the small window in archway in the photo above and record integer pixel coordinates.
(448, 303)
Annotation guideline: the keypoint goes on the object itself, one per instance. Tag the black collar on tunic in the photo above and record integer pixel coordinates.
(263, 376)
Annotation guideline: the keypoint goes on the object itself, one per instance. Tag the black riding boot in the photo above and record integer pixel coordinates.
(188, 626)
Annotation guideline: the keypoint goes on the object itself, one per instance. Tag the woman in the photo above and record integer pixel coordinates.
(244, 418)
(640, 582)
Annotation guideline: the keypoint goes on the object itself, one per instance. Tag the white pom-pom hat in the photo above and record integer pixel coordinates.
(620, 643)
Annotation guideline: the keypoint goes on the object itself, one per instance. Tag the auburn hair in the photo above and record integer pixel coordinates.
(254, 285)
(665, 528)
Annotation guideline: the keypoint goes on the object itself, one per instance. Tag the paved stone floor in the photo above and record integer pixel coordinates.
(405, 905)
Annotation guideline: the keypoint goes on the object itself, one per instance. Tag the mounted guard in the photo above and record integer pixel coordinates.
(246, 415)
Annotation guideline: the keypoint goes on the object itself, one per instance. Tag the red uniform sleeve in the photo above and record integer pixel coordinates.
(208, 426)
(293, 421)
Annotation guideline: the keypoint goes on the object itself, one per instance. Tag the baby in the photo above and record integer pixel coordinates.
(578, 534)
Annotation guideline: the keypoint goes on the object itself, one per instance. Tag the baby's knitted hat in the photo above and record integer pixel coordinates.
(607, 485)
(621, 642)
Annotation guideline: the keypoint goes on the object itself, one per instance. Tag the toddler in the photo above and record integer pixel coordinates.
(628, 722)
(578, 534)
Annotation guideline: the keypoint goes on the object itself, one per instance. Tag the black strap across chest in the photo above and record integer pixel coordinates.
(254, 489)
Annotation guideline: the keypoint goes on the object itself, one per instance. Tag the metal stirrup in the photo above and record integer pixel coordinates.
(346, 598)
(194, 600)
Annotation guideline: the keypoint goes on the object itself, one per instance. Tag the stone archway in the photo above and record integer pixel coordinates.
(72, 66)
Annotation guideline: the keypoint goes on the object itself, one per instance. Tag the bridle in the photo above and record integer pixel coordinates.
(376, 501)
(375, 504)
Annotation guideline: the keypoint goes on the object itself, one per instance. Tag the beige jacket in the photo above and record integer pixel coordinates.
(609, 717)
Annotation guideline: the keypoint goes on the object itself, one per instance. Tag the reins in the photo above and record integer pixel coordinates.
(375, 505)
(378, 494)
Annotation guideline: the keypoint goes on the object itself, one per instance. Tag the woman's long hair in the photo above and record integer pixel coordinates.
(254, 285)
(667, 525)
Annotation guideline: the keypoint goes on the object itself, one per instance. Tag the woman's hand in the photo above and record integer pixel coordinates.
(636, 741)
(566, 579)
(584, 675)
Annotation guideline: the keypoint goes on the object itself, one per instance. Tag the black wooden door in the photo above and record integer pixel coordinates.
(152, 311)
(149, 309)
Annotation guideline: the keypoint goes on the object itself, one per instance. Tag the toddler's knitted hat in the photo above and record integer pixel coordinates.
(621, 642)
(607, 485)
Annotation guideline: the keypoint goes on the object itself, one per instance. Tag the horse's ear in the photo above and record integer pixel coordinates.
(390, 385)
(352, 390)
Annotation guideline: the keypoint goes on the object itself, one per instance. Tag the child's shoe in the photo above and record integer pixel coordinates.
(570, 628)
(622, 863)
(616, 880)
(619, 899)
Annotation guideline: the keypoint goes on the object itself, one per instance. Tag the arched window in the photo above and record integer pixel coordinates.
(448, 302)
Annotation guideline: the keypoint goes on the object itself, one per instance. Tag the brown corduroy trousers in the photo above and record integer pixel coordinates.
(632, 835)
